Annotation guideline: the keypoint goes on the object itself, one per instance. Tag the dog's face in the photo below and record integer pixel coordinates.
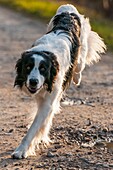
(36, 70)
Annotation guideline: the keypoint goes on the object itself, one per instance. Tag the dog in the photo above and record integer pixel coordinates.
(46, 70)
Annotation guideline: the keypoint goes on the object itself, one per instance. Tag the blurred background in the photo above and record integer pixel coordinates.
(100, 13)
(104, 7)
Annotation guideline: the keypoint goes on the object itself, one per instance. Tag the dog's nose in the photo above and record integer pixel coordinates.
(33, 82)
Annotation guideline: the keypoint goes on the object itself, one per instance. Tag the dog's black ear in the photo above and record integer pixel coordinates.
(18, 79)
(53, 72)
(18, 66)
(19, 71)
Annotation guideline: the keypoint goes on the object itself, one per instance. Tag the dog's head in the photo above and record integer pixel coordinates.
(36, 70)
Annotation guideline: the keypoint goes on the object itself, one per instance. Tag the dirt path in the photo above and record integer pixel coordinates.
(79, 132)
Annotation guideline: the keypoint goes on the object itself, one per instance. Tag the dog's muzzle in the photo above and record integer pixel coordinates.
(33, 85)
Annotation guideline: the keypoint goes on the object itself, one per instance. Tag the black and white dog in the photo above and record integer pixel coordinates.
(47, 69)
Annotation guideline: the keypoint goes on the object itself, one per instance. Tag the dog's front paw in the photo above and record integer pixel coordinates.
(19, 153)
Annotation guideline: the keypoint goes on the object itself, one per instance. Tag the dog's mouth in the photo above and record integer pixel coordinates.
(33, 90)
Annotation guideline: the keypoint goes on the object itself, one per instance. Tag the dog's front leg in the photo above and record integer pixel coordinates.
(45, 109)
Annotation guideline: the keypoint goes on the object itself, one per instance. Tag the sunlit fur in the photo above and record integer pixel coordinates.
(68, 45)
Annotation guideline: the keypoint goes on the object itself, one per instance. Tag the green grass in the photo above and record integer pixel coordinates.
(45, 9)
(37, 8)
(105, 30)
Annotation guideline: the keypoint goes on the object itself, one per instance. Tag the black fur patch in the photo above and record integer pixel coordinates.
(21, 68)
(69, 23)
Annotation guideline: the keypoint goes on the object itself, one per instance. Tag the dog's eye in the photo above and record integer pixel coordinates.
(28, 67)
(42, 69)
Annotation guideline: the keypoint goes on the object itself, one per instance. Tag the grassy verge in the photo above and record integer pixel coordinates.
(45, 9)
(37, 8)
(105, 30)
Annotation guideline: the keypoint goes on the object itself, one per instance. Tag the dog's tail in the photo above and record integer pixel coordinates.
(96, 47)
(92, 45)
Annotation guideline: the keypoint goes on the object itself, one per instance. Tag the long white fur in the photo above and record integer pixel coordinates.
(48, 104)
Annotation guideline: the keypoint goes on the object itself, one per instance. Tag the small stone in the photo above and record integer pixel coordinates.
(110, 165)
(50, 154)
(99, 165)
(57, 146)
(11, 130)
(105, 130)
(6, 164)
(68, 154)
(88, 122)
(105, 166)
(39, 166)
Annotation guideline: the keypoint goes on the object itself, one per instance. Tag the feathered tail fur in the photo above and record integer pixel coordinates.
(96, 46)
